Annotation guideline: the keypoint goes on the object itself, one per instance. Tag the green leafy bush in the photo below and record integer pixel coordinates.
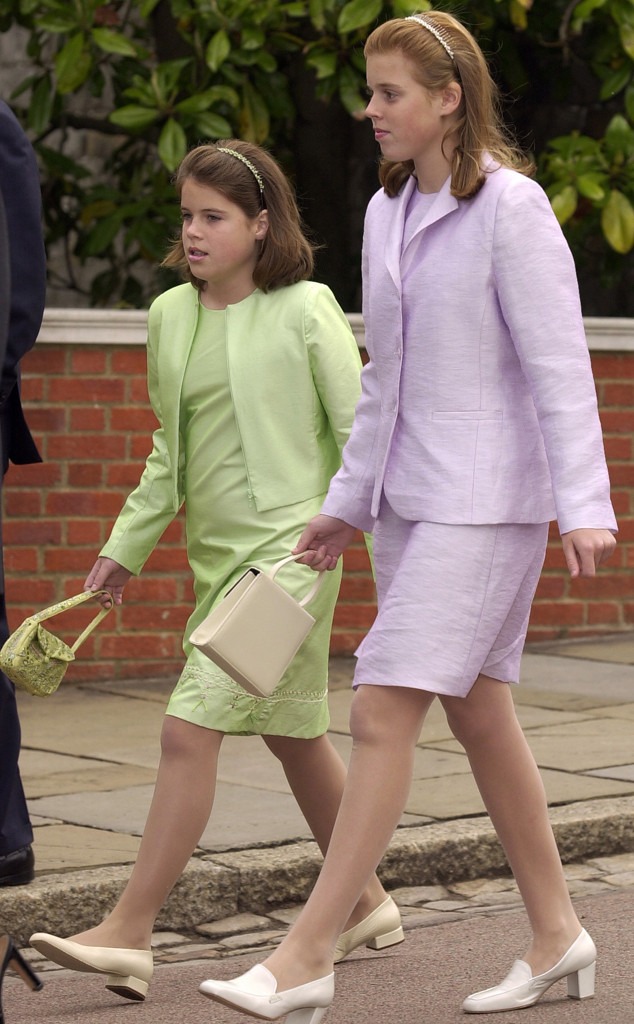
(119, 90)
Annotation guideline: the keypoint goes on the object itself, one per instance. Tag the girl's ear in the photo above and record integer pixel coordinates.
(451, 98)
(262, 225)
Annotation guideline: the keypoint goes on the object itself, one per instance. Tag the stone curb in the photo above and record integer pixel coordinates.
(216, 886)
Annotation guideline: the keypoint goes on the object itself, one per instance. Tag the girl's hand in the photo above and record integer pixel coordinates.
(586, 549)
(323, 540)
(106, 574)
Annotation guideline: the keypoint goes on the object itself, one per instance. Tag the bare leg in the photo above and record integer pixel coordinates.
(513, 793)
(180, 809)
(385, 724)
(317, 776)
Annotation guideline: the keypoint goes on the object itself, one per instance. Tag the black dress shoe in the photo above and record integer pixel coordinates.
(17, 868)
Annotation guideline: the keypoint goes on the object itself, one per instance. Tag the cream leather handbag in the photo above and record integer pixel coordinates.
(254, 633)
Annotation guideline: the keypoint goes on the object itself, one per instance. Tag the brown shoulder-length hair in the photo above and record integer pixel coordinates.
(479, 129)
(285, 255)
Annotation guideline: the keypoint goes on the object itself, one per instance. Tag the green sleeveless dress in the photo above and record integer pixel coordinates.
(226, 535)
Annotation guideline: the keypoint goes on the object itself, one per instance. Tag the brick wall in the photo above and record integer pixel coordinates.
(87, 405)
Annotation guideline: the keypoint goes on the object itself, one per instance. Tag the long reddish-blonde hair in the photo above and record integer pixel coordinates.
(479, 129)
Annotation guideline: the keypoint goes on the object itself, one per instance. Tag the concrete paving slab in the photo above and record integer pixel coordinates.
(555, 674)
(157, 690)
(92, 724)
(457, 796)
(577, 746)
(619, 649)
(530, 714)
(68, 847)
(562, 701)
(46, 774)
(618, 711)
(620, 771)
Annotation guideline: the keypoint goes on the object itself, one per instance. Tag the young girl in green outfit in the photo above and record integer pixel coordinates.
(253, 375)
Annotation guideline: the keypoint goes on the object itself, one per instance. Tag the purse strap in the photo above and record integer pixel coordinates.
(72, 602)
(315, 587)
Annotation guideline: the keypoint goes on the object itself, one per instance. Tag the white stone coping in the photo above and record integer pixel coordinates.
(128, 327)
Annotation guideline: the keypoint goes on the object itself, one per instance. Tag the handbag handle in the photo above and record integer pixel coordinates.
(315, 587)
(72, 602)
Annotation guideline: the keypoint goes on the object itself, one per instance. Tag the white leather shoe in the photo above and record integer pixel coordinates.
(256, 993)
(520, 988)
(378, 930)
(129, 970)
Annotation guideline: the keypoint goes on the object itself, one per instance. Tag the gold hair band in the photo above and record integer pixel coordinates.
(439, 33)
(247, 163)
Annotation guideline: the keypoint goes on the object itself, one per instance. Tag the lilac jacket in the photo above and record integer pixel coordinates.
(502, 416)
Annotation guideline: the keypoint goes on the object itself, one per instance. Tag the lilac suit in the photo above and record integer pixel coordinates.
(476, 426)
(495, 419)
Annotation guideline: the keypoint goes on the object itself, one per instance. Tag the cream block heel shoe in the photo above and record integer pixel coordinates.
(378, 930)
(256, 993)
(129, 970)
(520, 988)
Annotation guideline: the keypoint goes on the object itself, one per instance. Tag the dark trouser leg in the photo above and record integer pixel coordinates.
(15, 826)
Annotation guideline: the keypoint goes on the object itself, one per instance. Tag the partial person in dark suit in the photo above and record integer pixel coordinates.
(22, 297)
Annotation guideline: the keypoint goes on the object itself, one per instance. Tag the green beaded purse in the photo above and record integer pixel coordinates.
(35, 659)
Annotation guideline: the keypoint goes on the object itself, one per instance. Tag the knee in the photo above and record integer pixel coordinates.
(468, 724)
(181, 740)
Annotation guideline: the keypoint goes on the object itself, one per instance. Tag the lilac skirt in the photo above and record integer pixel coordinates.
(453, 603)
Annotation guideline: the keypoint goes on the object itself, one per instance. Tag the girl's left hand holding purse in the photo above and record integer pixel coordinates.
(106, 574)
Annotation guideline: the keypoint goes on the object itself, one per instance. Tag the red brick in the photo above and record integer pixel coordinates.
(551, 588)
(23, 503)
(23, 560)
(345, 643)
(84, 531)
(621, 502)
(137, 390)
(65, 560)
(123, 475)
(622, 474)
(617, 394)
(357, 588)
(356, 560)
(138, 646)
(561, 612)
(140, 421)
(153, 589)
(38, 593)
(618, 448)
(360, 615)
(150, 618)
(611, 365)
(85, 474)
(33, 390)
(46, 360)
(103, 390)
(140, 448)
(617, 421)
(603, 613)
(82, 445)
(82, 503)
(38, 474)
(130, 362)
(42, 531)
(89, 360)
(87, 420)
(164, 559)
(46, 420)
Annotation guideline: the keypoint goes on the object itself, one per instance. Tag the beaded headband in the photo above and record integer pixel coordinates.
(439, 33)
(247, 163)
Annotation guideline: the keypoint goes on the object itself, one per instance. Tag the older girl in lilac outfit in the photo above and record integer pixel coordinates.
(477, 425)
